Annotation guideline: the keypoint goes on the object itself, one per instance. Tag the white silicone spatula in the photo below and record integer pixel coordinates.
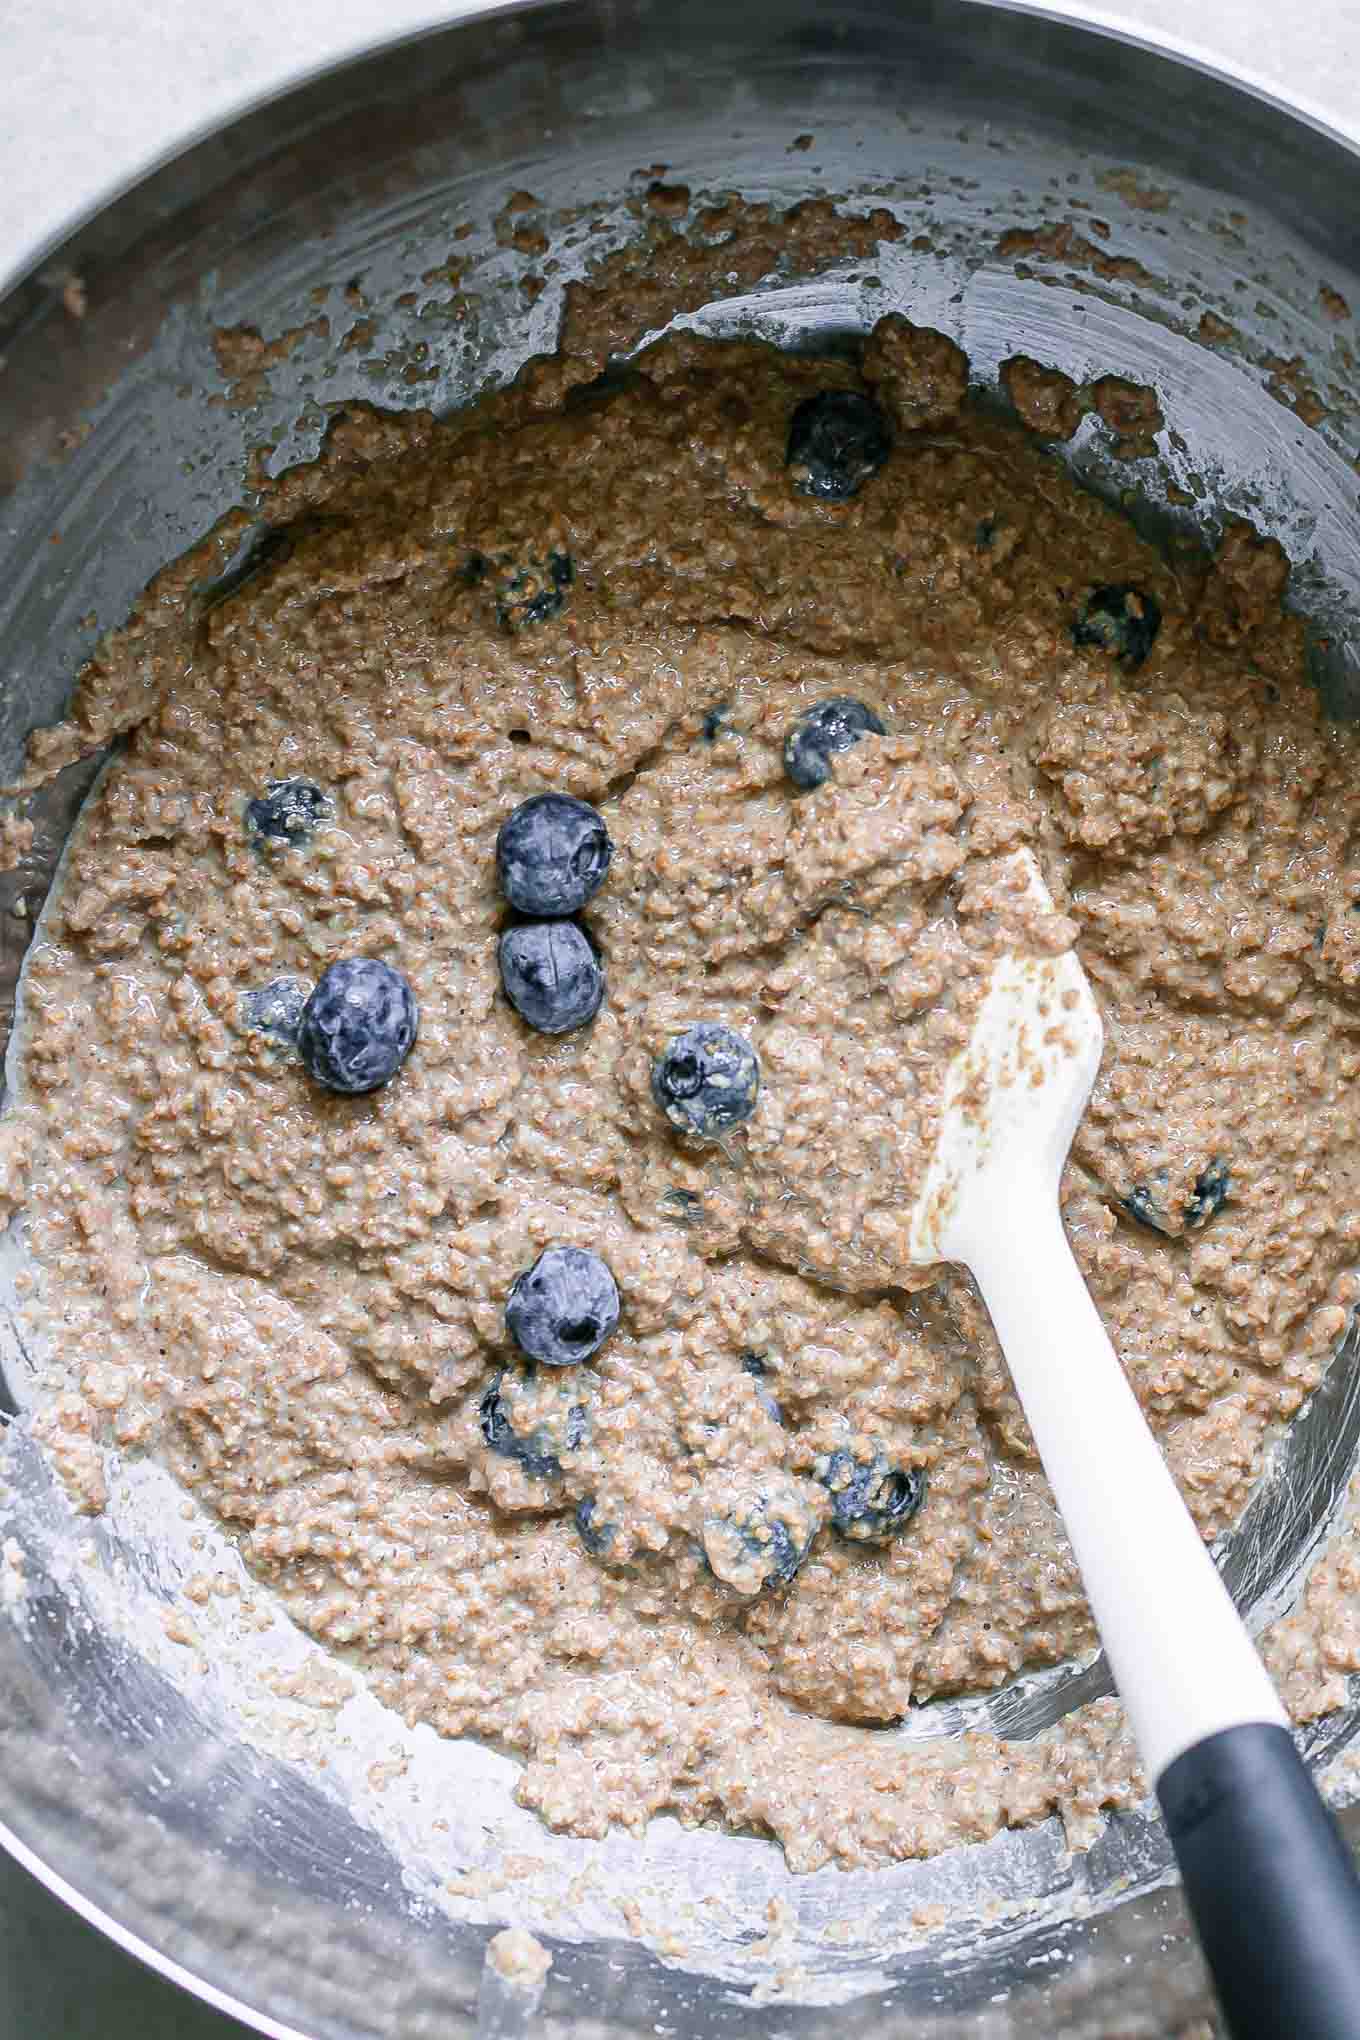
(1270, 1883)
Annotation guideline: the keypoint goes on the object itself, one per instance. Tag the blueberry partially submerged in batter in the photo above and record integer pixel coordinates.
(289, 811)
(1122, 620)
(1143, 1205)
(596, 1535)
(763, 1541)
(707, 1081)
(754, 1365)
(825, 728)
(871, 1497)
(1209, 1196)
(551, 975)
(837, 439)
(276, 1008)
(358, 1026)
(552, 855)
(539, 1447)
(1148, 1203)
(562, 1309)
(534, 592)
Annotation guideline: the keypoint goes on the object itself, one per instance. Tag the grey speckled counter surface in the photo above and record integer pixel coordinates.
(69, 137)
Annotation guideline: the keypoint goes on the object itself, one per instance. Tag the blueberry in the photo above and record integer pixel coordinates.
(754, 1365)
(539, 1447)
(1142, 1205)
(534, 592)
(837, 439)
(552, 976)
(596, 1536)
(289, 811)
(563, 1308)
(762, 1541)
(828, 726)
(714, 720)
(1210, 1195)
(1120, 619)
(707, 1081)
(358, 1026)
(871, 1497)
(681, 1207)
(552, 853)
(276, 1008)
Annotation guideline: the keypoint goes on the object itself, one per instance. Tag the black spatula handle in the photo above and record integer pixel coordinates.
(1271, 1885)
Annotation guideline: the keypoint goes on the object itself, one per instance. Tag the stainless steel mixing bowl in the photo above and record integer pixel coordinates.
(206, 1803)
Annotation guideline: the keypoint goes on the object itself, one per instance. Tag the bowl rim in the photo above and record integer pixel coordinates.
(1124, 25)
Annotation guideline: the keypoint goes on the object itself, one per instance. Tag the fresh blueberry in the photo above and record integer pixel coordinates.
(276, 1008)
(358, 1026)
(552, 976)
(828, 726)
(707, 1081)
(1142, 1204)
(596, 1536)
(563, 1308)
(534, 592)
(715, 719)
(1212, 1186)
(1148, 1202)
(539, 1447)
(837, 439)
(763, 1541)
(754, 1365)
(1120, 619)
(871, 1497)
(681, 1207)
(289, 811)
(552, 854)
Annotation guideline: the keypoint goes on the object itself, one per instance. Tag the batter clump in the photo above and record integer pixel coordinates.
(791, 1493)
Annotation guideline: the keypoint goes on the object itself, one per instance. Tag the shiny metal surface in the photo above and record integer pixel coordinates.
(247, 1844)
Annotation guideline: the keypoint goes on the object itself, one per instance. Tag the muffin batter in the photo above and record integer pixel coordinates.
(621, 590)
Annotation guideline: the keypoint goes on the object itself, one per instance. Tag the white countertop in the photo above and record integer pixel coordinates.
(92, 95)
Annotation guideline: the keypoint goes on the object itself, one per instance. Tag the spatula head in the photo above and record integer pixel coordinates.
(1013, 1095)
